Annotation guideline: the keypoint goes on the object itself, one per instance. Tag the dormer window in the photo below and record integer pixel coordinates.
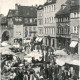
(30, 20)
(20, 19)
(63, 6)
(26, 20)
(16, 19)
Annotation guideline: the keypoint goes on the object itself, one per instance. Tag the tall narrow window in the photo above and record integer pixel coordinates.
(31, 20)
(54, 8)
(45, 20)
(52, 19)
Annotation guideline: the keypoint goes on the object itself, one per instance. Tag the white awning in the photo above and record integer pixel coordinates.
(40, 39)
(37, 38)
(60, 52)
(73, 44)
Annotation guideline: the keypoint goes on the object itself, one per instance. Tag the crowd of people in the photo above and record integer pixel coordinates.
(49, 70)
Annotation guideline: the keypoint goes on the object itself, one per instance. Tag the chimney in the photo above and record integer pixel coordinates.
(16, 6)
(36, 5)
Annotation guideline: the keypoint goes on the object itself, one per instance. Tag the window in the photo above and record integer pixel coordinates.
(40, 21)
(31, 20)
(39, 31)
(45, 9)
(26, 20)
(75, 29)
(16, 19)
(62, 19)
(35, 20)
(34, 28)
(54, 8)
(49, 8)
(40, 14)
(45, 30)
(74, 14)
(58, 30)
(45, 20)
(59, 19)
(30, 28)
(29, 34)
(53, 31)
(20, 19)
(52, 19)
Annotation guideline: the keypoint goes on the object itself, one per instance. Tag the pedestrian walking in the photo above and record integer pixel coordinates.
(12, 75)
(20, 76)
(25, 76)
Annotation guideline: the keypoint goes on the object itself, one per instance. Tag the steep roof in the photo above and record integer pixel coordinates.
(48, 3)
(12, 12)
(75, 5)
(24, 11)
(63, 12)
(27, 11)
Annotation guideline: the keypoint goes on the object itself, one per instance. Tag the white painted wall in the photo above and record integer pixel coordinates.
(18, 31)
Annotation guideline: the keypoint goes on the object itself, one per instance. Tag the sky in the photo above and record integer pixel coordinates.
(5, 5)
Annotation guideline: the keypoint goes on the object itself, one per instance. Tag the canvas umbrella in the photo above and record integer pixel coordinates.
(4, 44)
(60, 52)
(60, 62)
(28, 59)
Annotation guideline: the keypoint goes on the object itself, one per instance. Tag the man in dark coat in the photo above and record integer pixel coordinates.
(20, 75)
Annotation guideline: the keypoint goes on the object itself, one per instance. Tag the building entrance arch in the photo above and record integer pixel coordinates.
(5, 36)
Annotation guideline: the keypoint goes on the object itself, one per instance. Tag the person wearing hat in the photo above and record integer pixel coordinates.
(12, 75)
(20, 75)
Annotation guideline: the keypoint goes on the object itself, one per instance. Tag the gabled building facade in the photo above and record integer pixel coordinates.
(63, 27)
(29, 14)
(16, 23)
(74, 25)
(23, 20)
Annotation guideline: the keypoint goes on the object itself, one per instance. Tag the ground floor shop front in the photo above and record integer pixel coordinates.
(50, 41)
(63, 43)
